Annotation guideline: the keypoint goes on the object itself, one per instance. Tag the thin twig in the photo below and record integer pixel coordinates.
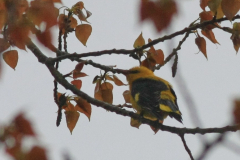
(154, 42)
(186, 147)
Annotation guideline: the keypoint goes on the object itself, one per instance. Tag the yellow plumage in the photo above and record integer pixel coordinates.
(152, 96)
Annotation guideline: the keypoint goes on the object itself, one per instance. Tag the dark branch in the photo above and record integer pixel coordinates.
(186, 147)
(114, 108)
(65, 55)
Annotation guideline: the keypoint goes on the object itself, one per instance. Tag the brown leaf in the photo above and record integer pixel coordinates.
(69, 107)
(230, 8)
(236, 112)
(135, 123)
(210, 35)
(11, 58)
(160, 12)
(207, 16)
(127, 96)
(97, 91)
(77, 83)
(37, 153)
(3, 45)
(82, 16)
(203, 4)
(71, 119)
(77, 7)
(201, 43)
(83, 32)
(139, 42)
(23, 125)
(105, 92)
(236, 36)
(117, 81)
(83, 106)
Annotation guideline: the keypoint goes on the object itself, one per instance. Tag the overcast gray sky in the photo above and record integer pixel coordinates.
(213, 85)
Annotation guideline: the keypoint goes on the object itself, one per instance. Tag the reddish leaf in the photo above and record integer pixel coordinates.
(83, 32)
(22, 7)
(15, 151)
(139, 42)
(117, 81)
(46, 39)
(201, 43)
(203, 4)
(23, 125)
(155, 130)
(230, 8)
(127, 96)
(109, 77)
(207, 16)
(77, 83)
(37, 153)
(3, 14)
(3, 45)
(18, 33)
(84, 107)
(148, 63)
(77, 74)
(71, 119)
(11, 58)
(79, 66)
(210, 35)
(43, 11)
(69, 107)
(160, 12)
(63, 23)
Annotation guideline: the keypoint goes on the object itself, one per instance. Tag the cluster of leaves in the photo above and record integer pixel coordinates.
(20, 18)
(152, 56)
(12, 138)
(67, 23)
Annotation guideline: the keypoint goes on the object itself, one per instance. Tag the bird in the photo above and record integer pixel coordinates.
(151, 96)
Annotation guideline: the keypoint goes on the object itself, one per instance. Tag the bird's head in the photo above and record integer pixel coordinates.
(137, 72)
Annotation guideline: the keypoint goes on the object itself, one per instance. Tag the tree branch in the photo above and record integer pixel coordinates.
(193, 27)
(186, 147)
(113, 108)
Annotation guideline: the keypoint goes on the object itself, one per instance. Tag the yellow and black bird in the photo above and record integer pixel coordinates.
(151, 96)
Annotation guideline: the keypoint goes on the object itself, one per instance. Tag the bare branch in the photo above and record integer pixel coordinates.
(186, 147)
